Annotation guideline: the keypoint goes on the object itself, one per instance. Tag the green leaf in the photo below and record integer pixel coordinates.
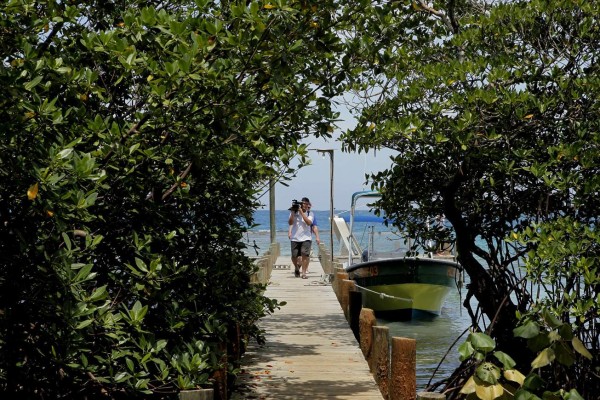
(141, 265)
(96, 240)
(564, 354)
(580, 348)
(489, 392)
(90, 200)
(83, 274)
(296, 45)
(551, 319)
(574, 395)
(545, 357)
(465, 350)
(137, 306)
(523, 394)
(121, 377)
(133, 148)
(84, 324)
(65, 153)
(505, 359)
(539, 342)
(129, 363)
(482, 342)
(98, 294)
(33, 83)
(566, 332)
(533, 382)
(469, 386)
(161, 344)
(514, 376)
(211, 28)
(488, 373)
(528, 330)
(66, 240)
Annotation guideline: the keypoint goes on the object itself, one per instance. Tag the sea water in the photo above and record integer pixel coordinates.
(258, 238)
(437, 351)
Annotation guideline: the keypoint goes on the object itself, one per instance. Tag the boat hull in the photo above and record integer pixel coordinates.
(404, 288)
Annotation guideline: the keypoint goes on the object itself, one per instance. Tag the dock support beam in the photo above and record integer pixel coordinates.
(380, 358)
(403, 371)
(200, 394)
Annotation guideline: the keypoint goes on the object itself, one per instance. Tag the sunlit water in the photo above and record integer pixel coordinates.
(434, 337)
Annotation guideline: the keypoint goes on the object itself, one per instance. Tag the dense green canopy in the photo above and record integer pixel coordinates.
(493, 109)
(134, 136)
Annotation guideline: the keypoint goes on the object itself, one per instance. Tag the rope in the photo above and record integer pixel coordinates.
(383, 295)
(324, 281)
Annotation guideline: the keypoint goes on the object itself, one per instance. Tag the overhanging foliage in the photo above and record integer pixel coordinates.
(133, 137)
(492, 107)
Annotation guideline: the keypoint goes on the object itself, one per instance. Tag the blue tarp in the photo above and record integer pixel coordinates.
(364, 218)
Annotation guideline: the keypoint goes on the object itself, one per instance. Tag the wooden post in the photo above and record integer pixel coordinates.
(198, 394)
(261, 271)
(266, 273)
(403, 382)
(234, 344)
(337, 284)
(379, 362)
(325, 258)
(219, 377)
(430, 396)
(266, 270)
(367, 321)
(276, 250)
(354, 308)
(272, 261)
(338, 267)
(347, 287)
(272, 225)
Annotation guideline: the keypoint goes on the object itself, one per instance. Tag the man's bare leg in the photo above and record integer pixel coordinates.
(295, 264)
(305, 261)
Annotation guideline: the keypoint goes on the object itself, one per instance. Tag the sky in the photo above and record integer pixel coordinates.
(313, 181)
(349, 169)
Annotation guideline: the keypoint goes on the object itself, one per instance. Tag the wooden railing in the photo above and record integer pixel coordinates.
(265, 264)
(329, 267)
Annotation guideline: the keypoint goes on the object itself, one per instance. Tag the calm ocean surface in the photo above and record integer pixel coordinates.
(434, 338)
(258, 239)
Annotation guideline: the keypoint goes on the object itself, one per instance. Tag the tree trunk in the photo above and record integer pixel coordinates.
(492, 297)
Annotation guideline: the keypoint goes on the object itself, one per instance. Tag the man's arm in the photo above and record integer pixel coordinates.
(307, 219)
(316, 231)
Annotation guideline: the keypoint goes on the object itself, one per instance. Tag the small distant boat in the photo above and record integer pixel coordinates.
(397, 287)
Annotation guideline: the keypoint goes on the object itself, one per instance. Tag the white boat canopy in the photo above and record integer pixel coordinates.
(355, 197)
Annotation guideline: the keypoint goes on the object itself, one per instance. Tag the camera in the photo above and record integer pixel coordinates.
(295, 205)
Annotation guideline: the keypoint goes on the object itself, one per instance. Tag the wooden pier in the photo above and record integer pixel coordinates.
(310, 350)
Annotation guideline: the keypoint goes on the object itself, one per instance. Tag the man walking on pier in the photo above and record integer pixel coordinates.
(300, 235)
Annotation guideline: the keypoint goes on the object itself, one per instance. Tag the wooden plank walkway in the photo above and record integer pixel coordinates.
(310, 351)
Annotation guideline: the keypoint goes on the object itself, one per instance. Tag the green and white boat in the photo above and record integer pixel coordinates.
(404, 288)
(399, 287)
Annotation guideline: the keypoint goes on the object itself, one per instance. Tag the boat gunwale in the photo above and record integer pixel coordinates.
(408, 261)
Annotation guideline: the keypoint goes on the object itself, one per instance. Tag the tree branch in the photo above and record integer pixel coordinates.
(182, 175)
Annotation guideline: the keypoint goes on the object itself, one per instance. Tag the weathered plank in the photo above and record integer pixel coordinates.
(310, 350)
